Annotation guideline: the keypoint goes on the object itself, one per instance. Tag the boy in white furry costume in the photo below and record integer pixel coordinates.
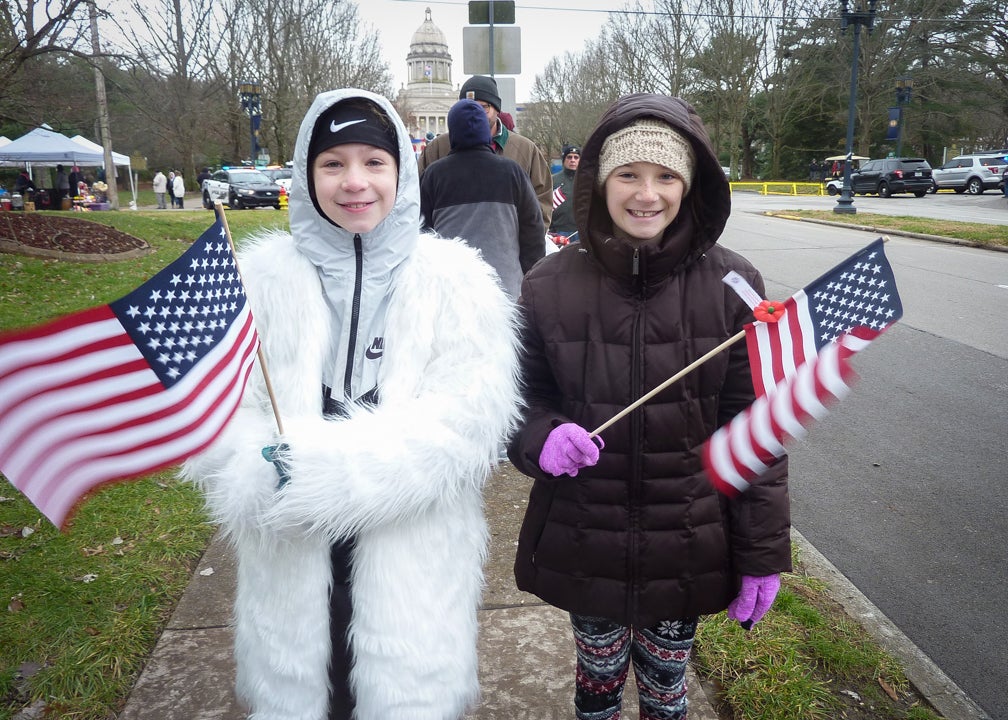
(393, 360)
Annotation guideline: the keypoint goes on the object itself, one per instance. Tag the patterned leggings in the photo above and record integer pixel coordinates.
(659, 654)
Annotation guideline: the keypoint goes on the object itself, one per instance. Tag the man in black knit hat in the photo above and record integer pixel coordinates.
(563, 192)
(483, 90)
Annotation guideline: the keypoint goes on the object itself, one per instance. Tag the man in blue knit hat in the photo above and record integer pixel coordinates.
(484, 198)
(483, 90)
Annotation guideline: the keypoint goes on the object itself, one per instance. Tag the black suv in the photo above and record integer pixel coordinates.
(892, 175)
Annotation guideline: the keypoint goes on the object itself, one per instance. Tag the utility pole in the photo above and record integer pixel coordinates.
(103, 117)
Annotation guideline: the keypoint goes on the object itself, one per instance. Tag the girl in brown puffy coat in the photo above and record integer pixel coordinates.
(628, 535)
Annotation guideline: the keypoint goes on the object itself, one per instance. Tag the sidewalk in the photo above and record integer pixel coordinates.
(525, 646)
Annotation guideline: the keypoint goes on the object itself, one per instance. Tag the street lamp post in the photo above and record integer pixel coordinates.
(904, 93)
(250, 92)
(863, 14)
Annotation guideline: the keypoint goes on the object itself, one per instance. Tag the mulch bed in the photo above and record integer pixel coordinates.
(53, 235)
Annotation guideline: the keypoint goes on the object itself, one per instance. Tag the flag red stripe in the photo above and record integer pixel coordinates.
(123, 389)
(60, 497)
(119, 428)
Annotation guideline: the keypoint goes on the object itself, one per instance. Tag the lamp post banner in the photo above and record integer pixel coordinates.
(892, 131)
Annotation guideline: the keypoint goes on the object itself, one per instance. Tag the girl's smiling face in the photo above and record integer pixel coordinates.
(642, 199)
(355, 185)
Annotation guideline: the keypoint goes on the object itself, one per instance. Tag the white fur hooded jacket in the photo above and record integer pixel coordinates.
(403, 478)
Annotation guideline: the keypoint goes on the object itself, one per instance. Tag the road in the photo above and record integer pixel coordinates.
(903, 486)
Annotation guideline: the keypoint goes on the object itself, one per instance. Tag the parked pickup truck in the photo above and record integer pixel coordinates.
(240, 188)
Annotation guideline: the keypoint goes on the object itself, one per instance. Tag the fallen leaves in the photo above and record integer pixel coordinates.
(888, 689)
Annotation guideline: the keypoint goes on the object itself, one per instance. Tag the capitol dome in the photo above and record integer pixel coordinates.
(429, 60)
(428, 37)
(429, 93)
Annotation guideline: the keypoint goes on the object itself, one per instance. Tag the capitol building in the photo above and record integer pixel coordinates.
(423, 103)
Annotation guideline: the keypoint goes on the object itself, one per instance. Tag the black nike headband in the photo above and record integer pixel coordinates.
(352, 122)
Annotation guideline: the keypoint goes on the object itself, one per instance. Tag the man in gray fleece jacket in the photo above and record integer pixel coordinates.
(484, 198)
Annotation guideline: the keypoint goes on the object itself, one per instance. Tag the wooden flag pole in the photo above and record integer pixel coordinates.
(219, 209)
(675, 378)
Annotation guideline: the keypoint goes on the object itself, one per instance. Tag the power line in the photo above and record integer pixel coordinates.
(710, 15)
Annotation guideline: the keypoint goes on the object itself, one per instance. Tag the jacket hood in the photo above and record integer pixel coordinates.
(356, 277)
(705, 209)
(328, 245)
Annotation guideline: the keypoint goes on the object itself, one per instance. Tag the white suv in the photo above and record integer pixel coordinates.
(970, 173)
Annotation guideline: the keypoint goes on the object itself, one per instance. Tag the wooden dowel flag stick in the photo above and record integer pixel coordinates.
(219, 208)
(675, 378)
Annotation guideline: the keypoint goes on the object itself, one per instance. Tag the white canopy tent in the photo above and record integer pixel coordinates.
(46, 147)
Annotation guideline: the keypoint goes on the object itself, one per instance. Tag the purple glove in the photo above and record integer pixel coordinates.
(754, 599)
(568, 449)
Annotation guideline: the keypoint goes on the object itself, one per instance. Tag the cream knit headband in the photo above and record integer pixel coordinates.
(648, 141)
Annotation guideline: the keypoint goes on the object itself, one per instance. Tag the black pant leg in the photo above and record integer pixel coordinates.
(341, 699)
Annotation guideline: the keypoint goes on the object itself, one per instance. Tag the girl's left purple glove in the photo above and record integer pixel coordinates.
(754, 599)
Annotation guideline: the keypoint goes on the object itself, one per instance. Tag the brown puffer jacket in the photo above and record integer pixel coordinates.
(642, 536)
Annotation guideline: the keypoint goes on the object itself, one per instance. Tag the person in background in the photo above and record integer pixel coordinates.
(171, 188)
(178, 190)
(23, 185)
(523, 151)
(626, 531)
(483, 198)
(62, 185)
(563, 192)
(160, 187)
(1004, 178)
(204, 174)
(393, 358)
(76, 177)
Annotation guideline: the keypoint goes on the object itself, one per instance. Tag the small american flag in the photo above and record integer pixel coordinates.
(124, 389)
(558, 197)
(859, 292)
(801, 363)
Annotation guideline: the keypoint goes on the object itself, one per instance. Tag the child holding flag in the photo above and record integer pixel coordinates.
(629, 535)
(393, 359)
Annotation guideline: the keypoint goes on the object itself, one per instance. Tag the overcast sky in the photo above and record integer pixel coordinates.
(547, 29)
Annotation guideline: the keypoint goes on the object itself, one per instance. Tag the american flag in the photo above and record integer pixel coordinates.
(558, 197)
(124, 389)
(801, 363)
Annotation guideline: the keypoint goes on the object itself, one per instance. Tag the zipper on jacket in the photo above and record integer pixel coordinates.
(636, 440)
(354, 316)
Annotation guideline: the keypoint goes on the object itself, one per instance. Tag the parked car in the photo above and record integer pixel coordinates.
(970, 173)
(889, 176)
(280, 175)
(241, 188)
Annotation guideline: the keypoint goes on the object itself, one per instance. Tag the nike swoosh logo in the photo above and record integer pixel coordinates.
(377, 348)
(334, 128)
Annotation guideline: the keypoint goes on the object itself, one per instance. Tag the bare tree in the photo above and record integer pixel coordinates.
(173, 80)
(569, 96)
(651, 50)
(306, 46)
(29, 31)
